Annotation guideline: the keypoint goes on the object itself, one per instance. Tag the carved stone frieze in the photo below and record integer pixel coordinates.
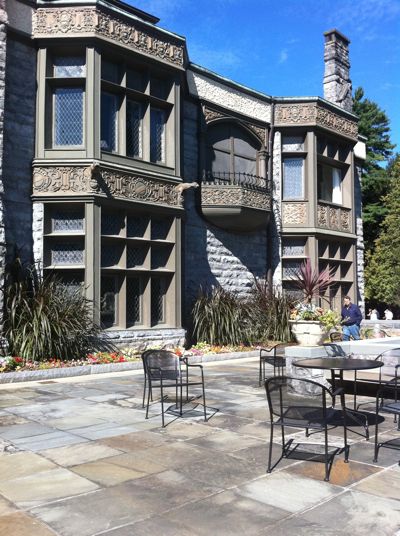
(56, 22)
(334, 218)
(322, 216)
(211, 114)
(72, 180)
(314, 114)
(294, 213)
(235, 196)
(345, 220)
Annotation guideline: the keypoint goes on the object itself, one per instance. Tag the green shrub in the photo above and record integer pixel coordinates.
(45, 319)
(222, 317)
(218, 317)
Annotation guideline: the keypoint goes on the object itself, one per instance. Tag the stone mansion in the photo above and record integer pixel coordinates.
(139, 176)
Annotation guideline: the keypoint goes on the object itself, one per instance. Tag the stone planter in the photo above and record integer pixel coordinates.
(308, 332)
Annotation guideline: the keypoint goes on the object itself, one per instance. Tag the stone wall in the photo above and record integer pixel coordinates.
(3, 47)
(19, 138)
(360, 239)
(213, 257)
(143, 339)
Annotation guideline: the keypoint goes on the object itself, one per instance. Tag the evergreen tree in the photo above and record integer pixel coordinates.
(374, 125)
(383, 270)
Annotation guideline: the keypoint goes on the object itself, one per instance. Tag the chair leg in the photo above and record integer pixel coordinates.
(144, 390)
(376, 449)
(271, 437)
(148, 399)
(326, 455)
(204, 403)
(180, 398)
(260, 375)
(162, 404)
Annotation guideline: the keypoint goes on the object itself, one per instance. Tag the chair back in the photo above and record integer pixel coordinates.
(390, 359)
(159, 364)
(286, 402)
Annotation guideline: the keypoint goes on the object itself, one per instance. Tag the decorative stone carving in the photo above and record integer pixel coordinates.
(56, 22)
(345, 219)
(322, 216)
(235, 195)
(314, 114)
(112, 183)
(211, 114)
(335, 218)
(294, 213)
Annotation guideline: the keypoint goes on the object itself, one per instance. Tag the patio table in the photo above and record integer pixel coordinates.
(337, 366)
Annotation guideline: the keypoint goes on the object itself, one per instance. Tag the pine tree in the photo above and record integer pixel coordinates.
(374, 125)
(383, 268)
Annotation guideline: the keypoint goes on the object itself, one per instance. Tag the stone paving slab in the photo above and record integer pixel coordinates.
(128, 476)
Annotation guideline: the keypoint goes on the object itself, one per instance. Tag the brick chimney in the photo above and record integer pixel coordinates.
(337, 83)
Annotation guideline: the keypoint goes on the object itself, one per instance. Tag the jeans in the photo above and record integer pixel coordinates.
(351, 331)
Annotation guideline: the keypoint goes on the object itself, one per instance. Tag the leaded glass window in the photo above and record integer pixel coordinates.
(67, 253)
(292, 143)
(66, 221)
(291, 268)
(292, 247)
(133, 129)
(160, 257)
(157, 135)
(109, 122)
(69, 67)
(293, 178)
(137, 225)
(68, 116)
(157, 301)
(108, 301)
(160, 228)
(133, 301)
(136, 256)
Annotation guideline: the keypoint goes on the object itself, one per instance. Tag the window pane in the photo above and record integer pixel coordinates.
(219, 162)
(110, 71)
(109, 116)
(159, 88)
(108, 301)
(66, 221)
(244, 165)
(135, 79)
(133, 301)
(292, 143)
(291, 247)
(293, 178)
(336, 186)
(68, 116)
(157, 301)
(69, 67)
(133, 129)
(157, 135)
(67, 253)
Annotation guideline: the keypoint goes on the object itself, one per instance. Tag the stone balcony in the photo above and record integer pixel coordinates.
(235, 201)
(334, 217)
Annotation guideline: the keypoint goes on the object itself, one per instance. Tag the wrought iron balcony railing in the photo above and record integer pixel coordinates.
(235, 179)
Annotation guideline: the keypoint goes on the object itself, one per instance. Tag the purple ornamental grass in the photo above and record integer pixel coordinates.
(312, 282)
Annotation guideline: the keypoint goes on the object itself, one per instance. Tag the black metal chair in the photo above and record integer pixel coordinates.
(388, 402)
(391, 359)
(163, 369)
(312, 410)
(269, 356)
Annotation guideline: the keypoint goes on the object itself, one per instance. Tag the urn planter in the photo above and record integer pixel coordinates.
(308, 332)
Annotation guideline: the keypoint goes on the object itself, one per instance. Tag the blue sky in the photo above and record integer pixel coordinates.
(277, 46)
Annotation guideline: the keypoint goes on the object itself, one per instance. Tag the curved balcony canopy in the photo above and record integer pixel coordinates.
(235, 201)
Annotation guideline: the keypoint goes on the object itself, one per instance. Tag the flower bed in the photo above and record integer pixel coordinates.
(128, 355)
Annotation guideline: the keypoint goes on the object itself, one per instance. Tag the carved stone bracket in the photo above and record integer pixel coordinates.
(72, 180)
(334, 218)
(314, 114)
(294, 213)
(60, 22)
(210, 114)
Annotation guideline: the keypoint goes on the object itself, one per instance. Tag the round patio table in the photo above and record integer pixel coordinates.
(337, 365)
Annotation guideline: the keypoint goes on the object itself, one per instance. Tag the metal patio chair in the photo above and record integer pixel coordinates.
(268, 355)
(164, 369)
(388, 402)
(391, 360)
(312, 411)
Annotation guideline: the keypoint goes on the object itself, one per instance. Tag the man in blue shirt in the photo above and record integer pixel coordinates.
(351, 320)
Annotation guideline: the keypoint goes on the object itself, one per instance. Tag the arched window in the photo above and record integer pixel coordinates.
(231, 151)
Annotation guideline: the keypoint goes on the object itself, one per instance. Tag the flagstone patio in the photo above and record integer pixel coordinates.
(78, 458)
